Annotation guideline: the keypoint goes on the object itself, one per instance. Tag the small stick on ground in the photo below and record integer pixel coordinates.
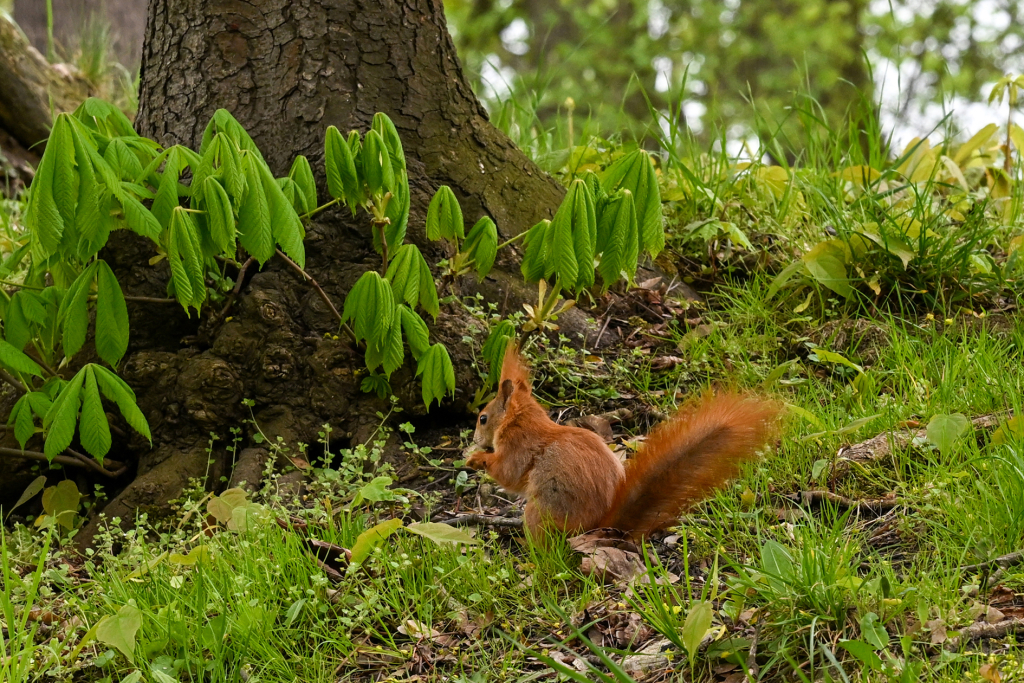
(1004, 561)
(875, 506)
(753, 671)
(986, 631)
(485, 520)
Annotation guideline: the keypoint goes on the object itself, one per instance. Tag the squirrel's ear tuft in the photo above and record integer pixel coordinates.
(505, 390)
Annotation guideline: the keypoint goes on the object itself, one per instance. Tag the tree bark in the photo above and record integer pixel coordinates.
(286, 70)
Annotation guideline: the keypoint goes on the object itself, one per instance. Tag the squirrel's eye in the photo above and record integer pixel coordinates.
(483, 419)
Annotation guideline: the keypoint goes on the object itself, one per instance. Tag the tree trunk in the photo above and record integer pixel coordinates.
(286, 70)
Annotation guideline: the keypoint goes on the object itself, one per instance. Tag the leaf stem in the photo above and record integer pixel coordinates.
(18, 385)
(382, 227)
(513, 240)
(310, 214)
(16, 284)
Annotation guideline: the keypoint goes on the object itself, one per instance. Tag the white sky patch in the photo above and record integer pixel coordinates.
(514, 37)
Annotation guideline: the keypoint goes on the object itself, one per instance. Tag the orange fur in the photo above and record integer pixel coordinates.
(573, 482)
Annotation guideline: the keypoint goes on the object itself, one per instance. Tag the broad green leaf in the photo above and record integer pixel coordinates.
(893, 245)
(397, 213)
(73, 314)
(116, 390)
(780, 280)
(535, 258)
(826, 263)
(198, 555)
(376, 163)
(559, 243)
(385, 127)
(697, 623)
(371, 306)
(111, 316)
(825, 356)
(635, 172)
(618, 239)
(482, 245)
(302, 175)
(15, 359)
(444, 216)
(181, 258)
(61, 502)
(285, 223)
(342, 179)
(944, 430)
(223, 506)
(437, 376)
(42, 216)
(393, 351)
(65, 177)
(60, 420)
(21, 419)
(255, 231)
(404, 273)
(863, 652)
(167, 191)
(375, 491)
(441, 533)
(415, 330)
(30, 492)
(873, 631)
(140, 220)
(122, 160)
(119, 630)
(428, 291)
(220, 218)
(372, 537)
(93, 430)
(776, 562)
(104, 118)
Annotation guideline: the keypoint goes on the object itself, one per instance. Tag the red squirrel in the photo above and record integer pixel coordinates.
(573, 482)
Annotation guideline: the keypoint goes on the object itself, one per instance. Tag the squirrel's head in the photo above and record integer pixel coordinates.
(490, 418)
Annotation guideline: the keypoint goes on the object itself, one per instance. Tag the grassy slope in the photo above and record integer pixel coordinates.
(800, 581)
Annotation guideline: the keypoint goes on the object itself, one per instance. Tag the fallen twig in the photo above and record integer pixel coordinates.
(875, 506)
(986, 631)
(484, 520)
(1004, 561)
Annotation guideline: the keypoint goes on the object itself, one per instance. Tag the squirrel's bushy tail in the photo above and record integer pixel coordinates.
(684, 459)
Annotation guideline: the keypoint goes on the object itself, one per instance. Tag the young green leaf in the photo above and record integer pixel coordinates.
(826, 263)
(115, 389)
(42, 217)
(415, 330)
(285, 223)
(535, 258)
(370, 304)
(255, 231)
(14, 359)
(618, 239)
(302, 175)
(65, 178)
(219, 216)
(111, 316)
(73, 314)
(444, 216)
(373, 537)
(437, 376)
(385, 127)
(697, 623)
(167, 191)
(404, 273)
(482, 245)
(342, 179)
(119, 630)
(441, 533)
(944, 430)
(24, 312)
(140, 220)
(93, 430)
(635, 172)
(398, 213)
(59, 422)
(376, 163)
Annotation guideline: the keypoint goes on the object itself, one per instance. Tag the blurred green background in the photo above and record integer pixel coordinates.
(738, 67)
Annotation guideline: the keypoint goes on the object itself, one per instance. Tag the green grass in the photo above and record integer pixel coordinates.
(261, 605)
(824, 593)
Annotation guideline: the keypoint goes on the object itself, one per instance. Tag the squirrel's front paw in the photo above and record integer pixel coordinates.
(477, 460)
